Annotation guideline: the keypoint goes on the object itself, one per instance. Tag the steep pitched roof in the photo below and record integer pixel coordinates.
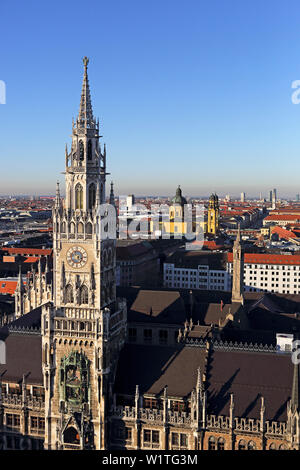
(249, 376)
(152, 368)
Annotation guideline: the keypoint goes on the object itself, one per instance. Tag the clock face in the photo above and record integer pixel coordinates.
(76, 257)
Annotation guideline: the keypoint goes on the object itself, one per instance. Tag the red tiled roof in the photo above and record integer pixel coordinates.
(283, 233)
(283, 217)
(8, 287)
(31, 259)
(263, 258)
(28, 251)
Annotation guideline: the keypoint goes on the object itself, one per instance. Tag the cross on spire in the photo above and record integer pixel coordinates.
(85, 116)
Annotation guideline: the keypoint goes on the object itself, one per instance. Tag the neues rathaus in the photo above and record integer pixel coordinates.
(97, 368)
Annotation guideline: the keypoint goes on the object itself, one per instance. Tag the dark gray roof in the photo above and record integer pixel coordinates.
(191, 259)
(247, 374)
(152, 368)
(23, 349)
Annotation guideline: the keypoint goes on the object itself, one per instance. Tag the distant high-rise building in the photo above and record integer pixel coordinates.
(297, 197)
(130, 201)
(243, 197)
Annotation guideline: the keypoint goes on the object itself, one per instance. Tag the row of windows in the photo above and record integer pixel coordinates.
(14, 421)
(147, 335)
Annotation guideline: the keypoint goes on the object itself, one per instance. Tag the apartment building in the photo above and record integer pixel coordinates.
(262, 272)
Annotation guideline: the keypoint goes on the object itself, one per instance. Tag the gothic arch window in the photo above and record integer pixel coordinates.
(109, 257)
(221, 443)
(211, 443)
(80, 227)
(89, 228)
(282, 447)
(251, 445)
(242, 445)
(78, 196)
(92, 195)
(89, 150)
(272, 446)
(81, 150)
(63, 227)
(71, 436)
(69, 294)
(84, 295)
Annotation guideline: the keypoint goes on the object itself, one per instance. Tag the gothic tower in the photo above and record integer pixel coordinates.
(213, 215)
(293, 412)
(84, 328)
(238, 270)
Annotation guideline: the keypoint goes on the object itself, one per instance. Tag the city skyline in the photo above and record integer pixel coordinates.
(236, 128)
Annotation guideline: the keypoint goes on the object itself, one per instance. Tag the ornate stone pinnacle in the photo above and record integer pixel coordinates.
(85, 61)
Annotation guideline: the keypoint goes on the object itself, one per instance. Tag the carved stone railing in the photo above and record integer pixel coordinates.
(213, 422)
(230, 346)
(35, 403)
(179, 418)
(12, 399)
(124, 412)
(217, 422)
(247, 424)
(147, 414)
(16, 401)
(275, 428)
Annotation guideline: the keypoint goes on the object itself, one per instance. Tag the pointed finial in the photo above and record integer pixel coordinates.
(85, 116)
(199, 380)
(47, 265)
(57, 198)
(295, 389)
(85, 61)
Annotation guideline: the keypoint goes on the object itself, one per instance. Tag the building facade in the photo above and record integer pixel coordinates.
(83, 330)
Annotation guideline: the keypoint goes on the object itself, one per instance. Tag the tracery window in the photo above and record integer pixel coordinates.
(69, 294)
(81, 150)
(242, 445)
(221, 443)
(251, 445)
(84, 295)
(211, 443)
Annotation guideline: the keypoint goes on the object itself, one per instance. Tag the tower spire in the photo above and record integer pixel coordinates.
(112, 196)
(85, 116)
(238, 270)
(295, 389)
(57, 197)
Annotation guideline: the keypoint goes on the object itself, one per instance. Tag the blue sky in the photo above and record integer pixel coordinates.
(196, 93)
